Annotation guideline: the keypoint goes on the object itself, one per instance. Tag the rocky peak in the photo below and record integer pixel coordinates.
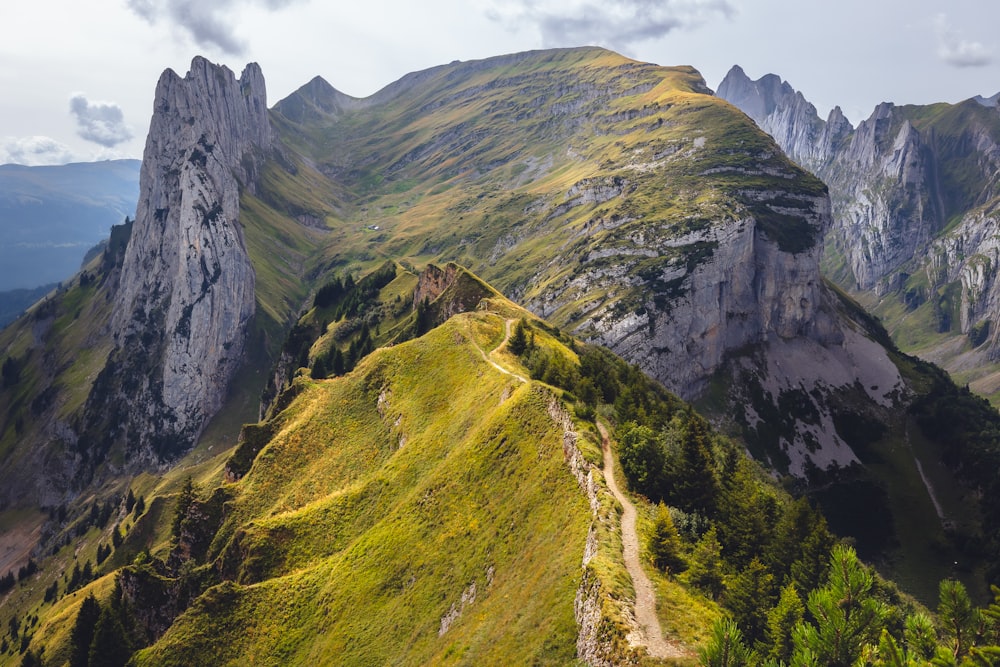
(212, 107)
(782, 112)
(433, 281)
(992, 101)
(314, 101)
(187, 285)
(878, 175)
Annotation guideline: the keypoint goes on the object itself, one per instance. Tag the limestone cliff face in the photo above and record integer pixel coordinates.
(970, 256)
(187, 285)
(885, 206)
(895, 181)
(745, 291)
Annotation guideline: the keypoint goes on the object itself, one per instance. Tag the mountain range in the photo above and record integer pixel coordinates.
(914, 193)
(341, 392)
(51, 216)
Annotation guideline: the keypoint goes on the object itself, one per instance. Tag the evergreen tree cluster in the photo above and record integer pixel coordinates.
(967, 428)
(600, 376)
(339, 299)
(850, 620)
(347, 298)
(80, 577)
(335, 362)
(103, 635)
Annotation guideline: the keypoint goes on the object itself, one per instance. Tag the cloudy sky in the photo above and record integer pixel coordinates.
(77, 78)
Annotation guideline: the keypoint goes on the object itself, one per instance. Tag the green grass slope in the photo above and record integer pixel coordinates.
(543, 172)
(417, 511)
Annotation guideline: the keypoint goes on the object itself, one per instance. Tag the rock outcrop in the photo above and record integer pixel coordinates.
(896, 180)
(187, 285)
(970, 256)
(746, 290)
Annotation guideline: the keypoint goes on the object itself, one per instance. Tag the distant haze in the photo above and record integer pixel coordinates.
(51, 216)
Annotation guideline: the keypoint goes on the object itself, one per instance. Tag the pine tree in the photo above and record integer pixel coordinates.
(83, 632)
(319, 371)
(184, 500)
(920, 636)
(423, 318)
(694, 487)
(749, 596)
(747, 514)
(781, 621)
(110, 646)
(641, 456)
(810, 568)
(959, 619)
(890, 653)
(705, 568)
(518, 342)
(337, 362)
(845, 615)
(665, 543)
(726, 647)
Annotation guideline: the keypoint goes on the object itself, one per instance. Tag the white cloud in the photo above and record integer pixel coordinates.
(957, 51)
(100, 122)
(210, 23)
(34, 151)
(618, 24)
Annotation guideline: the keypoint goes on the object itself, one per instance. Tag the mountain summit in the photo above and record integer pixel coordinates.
(187, 283)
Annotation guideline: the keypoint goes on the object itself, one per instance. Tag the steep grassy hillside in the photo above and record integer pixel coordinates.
(581, 183)
(453, 501)
(445, 512)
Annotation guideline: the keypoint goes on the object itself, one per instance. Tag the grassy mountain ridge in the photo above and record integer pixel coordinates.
(441, 499)
(408, 521)
(428, 478)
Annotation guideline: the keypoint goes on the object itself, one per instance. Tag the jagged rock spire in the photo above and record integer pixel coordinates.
(187, 284)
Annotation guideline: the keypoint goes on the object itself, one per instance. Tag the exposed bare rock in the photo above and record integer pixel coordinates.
(895, 181)
(187, 285)
(745, 289)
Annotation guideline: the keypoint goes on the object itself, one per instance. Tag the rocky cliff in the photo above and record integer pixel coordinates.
(617, 199)
(187, 284)
(880, 174)
(726, 286)
(913, 191)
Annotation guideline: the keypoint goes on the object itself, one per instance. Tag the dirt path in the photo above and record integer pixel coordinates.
(487, 359)
(645, 598)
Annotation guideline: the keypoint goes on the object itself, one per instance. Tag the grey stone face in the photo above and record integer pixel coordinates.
(187, 285)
